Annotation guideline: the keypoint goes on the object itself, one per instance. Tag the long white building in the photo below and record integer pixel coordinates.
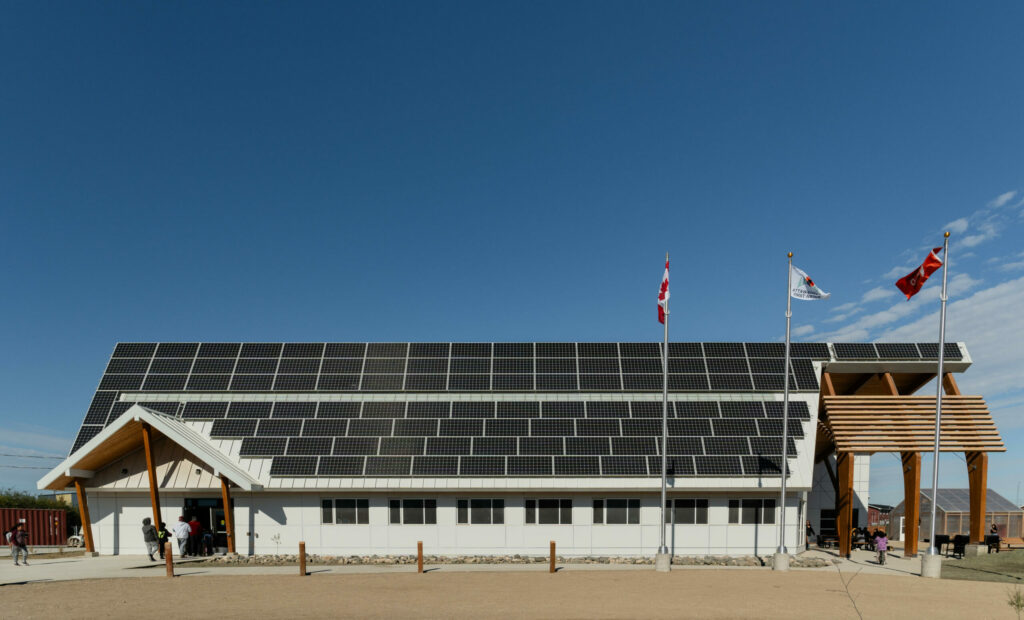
(472, 448)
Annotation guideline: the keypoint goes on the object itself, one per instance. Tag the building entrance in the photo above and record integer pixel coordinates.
(210, 513)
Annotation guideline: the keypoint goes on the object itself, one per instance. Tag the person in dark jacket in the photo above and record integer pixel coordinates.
(163, 536)
(150, 537)
(810, 535)
(19, 544)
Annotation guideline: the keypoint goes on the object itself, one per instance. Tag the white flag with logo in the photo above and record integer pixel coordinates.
(802, 287)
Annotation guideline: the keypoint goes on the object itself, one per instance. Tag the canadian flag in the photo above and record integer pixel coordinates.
(911, 283)
(663, 296)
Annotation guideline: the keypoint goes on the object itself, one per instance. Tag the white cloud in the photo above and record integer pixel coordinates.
(1012, 266)
(839, 318)
(957, 227)
(1002, 199)
(844, 307)
(897, 272)
(879, 292)
(803, 330)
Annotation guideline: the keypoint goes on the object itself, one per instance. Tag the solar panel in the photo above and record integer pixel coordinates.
(166, 408)
(122, 382)
(696, 409)
(562, 409)
(278, 428)
(640, 349)
(624, 466)
(677, 465)
(204, 411)
(388, 465)
(577, 466)
(543, 445)
(355, 445)
(930, 351)
(600, 366)
(382, 383)
(641, 382)
(768, 349)
(855, 350)
(513, 366)
(324, 427)
(219, 349)
(772, 445)
(691, 365)
(494, 445)
(633, 445)
(340, 466)
(371, 428)
(726, 445)
(602, 409)
(797, 409)
(429, 410)
(688, 383)
(127, 366)
(762, 465)
(647, 409)
(294, 410)
(482, 466)
(256, 365)
(85, 433)
(429, 349)
(426, 383)
(583, 445)
(732, 426)
(416, 428)
(384, 366)
(473, 409)
(448, 445)
(469, 382)
(338, 410)
(648, 427)
(518, 410)
(471, 349)
(815, 350)
(384, 410)
(766, 366)
(718, 465)
(472, 428)
(742, 409)
(100, 407)
(553, 427)
(177, 349)
(556, 349)
(351, 366)
(262, 446)
(728, 365)
(730, 383)
(119, 408)
(512, 383)
(435, 466)
(214, 366)
(556, 365)
(224, 429)
(134, 349)
(771, 383)
(303, 349)
(530, 466)
(773, 428)
(208, 383)
(338, 383)
(513, 349)
(252, 383)
(897, 350)
(309, 445)
(386, 349)
(685, 349)
(261, 349)
(507, 427)
(293, 466)
(345, 349)
(402, 445)
(691, 426)
(684, 445)
(597, 427)
(299, 366)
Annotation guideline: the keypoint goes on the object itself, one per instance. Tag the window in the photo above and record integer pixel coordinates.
(549, 511)
(688, 511)
(413, 511)
(746, 511)
(480, 511)
(345, 511)
(616, 511)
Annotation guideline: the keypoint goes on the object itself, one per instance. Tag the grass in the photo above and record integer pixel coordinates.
(1006, 567)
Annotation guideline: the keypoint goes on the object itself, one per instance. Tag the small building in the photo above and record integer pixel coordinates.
(952, 514)
(878, 516)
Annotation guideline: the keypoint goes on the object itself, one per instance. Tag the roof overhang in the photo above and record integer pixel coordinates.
(124, 435)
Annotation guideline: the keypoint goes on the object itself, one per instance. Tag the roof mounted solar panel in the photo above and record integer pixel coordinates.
(284, 466)
(855, 351)
(134, 349)
(447, 466)
(530, 466)
(261, 349)
(624, 466)
(340, 466)
(930, 350)
(898, 350)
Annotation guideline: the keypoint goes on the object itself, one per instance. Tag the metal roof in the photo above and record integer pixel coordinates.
(959, 500)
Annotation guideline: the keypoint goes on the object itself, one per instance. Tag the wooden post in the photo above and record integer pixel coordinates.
(83, 510)
(419, 557)
(302, 559)
(168, 555)
(911, 501)
(844, 501)
(154, 492)
(551, 567)
(229, 516)
(977, 478)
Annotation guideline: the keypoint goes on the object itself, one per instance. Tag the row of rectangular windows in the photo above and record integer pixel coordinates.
(543, 511)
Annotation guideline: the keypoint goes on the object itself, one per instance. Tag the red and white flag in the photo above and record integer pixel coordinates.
(911, 283)
(663, 296)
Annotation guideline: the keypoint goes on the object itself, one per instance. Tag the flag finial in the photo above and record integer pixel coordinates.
(790, 255)
(947, 233)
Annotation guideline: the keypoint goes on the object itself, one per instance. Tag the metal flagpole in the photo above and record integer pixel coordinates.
(932, 550)
(780, 563)
(663, 549)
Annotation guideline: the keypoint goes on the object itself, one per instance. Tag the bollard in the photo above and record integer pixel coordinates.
(168, 553)
(551, 568)
(302, 559)
(419, 557)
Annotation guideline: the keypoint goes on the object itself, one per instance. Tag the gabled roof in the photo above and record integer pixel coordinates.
(959, 500)
(125, 434)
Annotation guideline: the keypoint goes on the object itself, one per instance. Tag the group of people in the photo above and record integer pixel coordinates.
(17, 538)
(193, 539)
(871, 541)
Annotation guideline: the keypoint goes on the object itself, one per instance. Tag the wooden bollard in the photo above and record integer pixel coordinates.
(551, 568)
(419, 557)
(302, 559)
(168, 554)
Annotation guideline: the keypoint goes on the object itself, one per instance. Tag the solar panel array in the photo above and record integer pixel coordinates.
(479, 437)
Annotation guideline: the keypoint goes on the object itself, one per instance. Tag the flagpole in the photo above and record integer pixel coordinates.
(932, 550)
(781, 560)
(663, 549)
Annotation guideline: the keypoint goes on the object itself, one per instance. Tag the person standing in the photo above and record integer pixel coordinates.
(809, 535)
(150, 537)
(882, 544)
(162, 536)
(19, 544)
(195, 536)
(181, 531)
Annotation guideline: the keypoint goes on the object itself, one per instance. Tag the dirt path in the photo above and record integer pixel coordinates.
(613, 594)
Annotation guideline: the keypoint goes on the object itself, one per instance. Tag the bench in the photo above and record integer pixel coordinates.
(1012, 544)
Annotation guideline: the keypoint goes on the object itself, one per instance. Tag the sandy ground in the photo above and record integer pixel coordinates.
(605, 594)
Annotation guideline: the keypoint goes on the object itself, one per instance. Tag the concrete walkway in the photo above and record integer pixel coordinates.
(127, 566)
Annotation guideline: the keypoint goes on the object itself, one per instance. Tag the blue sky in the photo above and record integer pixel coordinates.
(513, 171)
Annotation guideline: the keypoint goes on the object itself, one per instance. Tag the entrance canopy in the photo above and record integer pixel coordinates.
(125, 435)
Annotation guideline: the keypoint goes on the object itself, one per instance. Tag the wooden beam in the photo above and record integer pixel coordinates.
(911, 501)
(949, 384)
(977, 478)
(229, 516)
(844, 502)
(154, 492)
(890, 383)
(83, 511)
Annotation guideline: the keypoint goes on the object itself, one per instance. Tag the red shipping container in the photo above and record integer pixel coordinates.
(45, 526)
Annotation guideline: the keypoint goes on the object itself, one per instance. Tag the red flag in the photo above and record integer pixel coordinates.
(663, 296)
(911, 283)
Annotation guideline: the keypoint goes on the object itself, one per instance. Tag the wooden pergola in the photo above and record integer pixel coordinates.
(872, 414)
(139, 428)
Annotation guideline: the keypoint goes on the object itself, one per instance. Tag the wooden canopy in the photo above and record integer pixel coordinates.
(907, 424)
